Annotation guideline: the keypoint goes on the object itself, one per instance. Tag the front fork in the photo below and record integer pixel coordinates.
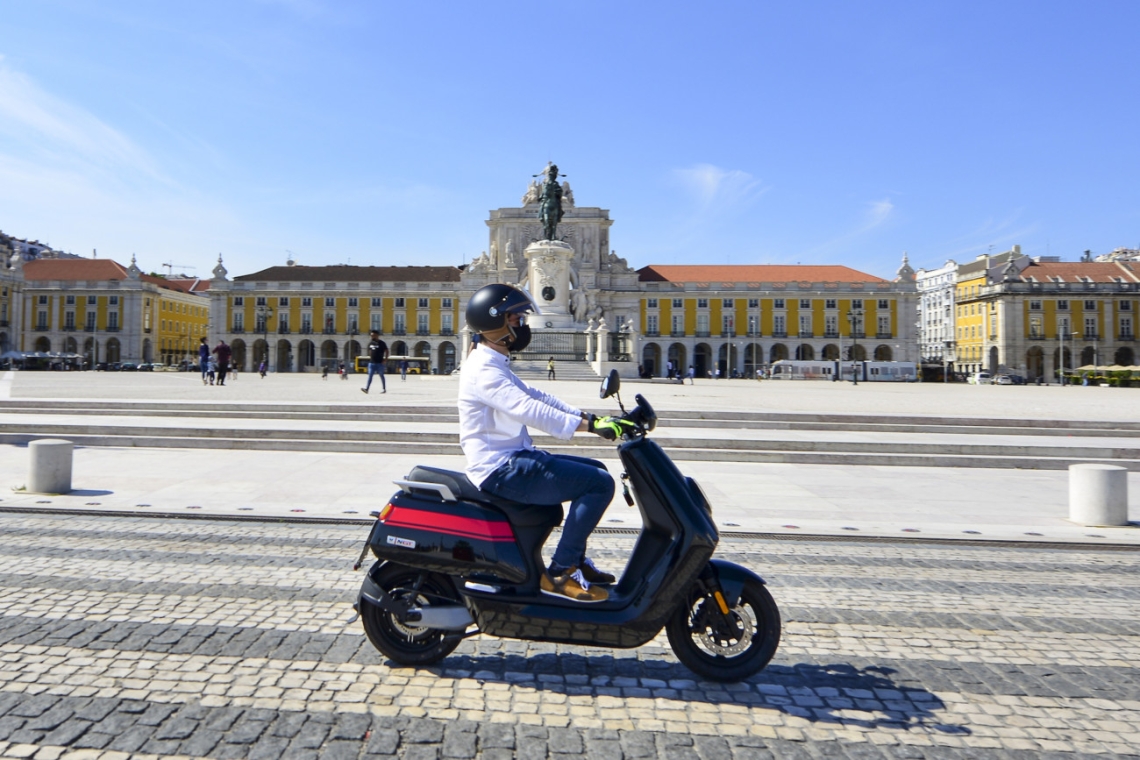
(716, 615)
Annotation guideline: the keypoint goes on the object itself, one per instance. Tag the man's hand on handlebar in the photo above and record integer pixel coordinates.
(610, 428)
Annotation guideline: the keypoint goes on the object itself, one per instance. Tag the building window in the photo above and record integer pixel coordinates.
(779, 325)
(829, 303)
(678, 324)
(69, 320)
(71, 301)
(651, 303)
(92, 300)
(1126, 327)
(702, 303)
(307, 322)
(1125, 306)
(1090, 305)
(702, 324)
(239, 322)
(651, 324)
(445, 326)
(1090, 328)
(728, 325)
(282, 322)
(753, 303)
(353, 323)
(727, 303)
(90, 321)
(805, 303)
(805, 325)
(831, 326)
(375, 323)
(283, 301)
(377, 303)
(1036, 327)
(857, 303)
(112, 320)
(330, 303)
(779, 303)
(422, 324)
(423, 303)
(399, 303)
(43, 300)
(678, 303)
(400, 326)
(353, 303)
(307, 302)
(446, 303)
(884, 326)
(41, 321)
(238, 301)
(1063, 305)
(260, 301)
(1035, 306)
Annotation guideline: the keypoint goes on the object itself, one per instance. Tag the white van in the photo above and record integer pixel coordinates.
(982, 378)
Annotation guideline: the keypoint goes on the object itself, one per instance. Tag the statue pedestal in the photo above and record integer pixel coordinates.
(549, 281)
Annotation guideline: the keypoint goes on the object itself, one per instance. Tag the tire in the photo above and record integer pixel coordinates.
(725, 656)
(406, 643)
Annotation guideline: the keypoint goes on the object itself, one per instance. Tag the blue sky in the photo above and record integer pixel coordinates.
(382, 132)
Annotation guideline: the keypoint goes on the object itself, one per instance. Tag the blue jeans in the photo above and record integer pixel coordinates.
(375, 368)
(539, 477)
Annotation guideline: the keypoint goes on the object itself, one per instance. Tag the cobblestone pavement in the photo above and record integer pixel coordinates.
(141, 637)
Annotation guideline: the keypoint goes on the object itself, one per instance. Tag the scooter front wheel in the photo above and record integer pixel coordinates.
(408, 643)
(726, 647)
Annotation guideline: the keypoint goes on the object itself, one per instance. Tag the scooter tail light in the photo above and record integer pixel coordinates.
(385, 511)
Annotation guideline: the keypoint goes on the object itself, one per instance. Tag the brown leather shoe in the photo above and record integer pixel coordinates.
(572, 585)
(592, 574)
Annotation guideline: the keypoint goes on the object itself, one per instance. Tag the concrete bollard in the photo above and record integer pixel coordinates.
(51, 466)
(1098, 494)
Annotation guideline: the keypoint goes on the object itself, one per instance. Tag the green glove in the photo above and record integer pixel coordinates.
(610, 428)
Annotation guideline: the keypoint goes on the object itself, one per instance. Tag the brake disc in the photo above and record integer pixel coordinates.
(743, 620)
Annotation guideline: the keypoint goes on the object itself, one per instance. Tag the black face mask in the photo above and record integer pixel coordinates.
(521, 338)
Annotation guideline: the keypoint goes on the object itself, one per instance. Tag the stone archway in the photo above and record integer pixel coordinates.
(284, 358)
(329, 353)
(399, 348)
(71, 346)
(994, 359)
(1035, 363)
(805, 353)
(1124, 356)
(114, 350)
(778, 352)
(702, 360)
(42, 344)
(446, 353)
(147, 355)
(651, 359)
(859, 353)
(237, 355)
(884, 354)
(677, 356)
(1088, 356)
(306, 354)
(830, 352)
(726, 357)
(753, 358)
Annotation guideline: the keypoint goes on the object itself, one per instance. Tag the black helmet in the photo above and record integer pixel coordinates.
(489, 306)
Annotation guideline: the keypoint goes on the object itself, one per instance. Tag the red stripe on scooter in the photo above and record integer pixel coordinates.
(468, 527)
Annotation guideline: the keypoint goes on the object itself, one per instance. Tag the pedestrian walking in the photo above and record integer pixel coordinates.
(377, 358)
(211, 369)
(669, 370)
(203, 358)
(261, 368)
(692, 374)
(550, 369)
(325, 371)
(223, 352)
(403, 370)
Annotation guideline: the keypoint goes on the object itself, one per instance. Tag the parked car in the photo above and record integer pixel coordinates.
(981, 378)
(149, 367)
(1018, 380)
(114, 366)
(128, 367)
(1003, 380)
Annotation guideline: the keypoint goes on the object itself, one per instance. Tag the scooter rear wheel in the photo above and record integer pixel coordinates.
(721, 649)
(407, 643)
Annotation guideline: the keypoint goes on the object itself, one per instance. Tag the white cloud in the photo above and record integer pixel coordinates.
(878, 213)
(714, 186)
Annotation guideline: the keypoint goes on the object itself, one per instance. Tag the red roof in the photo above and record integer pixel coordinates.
(75, 269)
(752, 273)
(1077, 271)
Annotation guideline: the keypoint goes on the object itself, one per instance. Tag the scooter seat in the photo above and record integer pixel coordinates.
(518, 513)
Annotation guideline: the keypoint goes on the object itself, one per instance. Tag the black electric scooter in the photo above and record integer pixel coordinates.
(451, 557)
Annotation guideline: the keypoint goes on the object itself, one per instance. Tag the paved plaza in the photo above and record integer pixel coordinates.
(136, 634)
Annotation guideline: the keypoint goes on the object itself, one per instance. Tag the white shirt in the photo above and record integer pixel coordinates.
(495, 407)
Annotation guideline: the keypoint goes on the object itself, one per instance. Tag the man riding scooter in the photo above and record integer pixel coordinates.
(495, 408)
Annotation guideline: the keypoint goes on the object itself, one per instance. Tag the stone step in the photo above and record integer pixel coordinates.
(704, 448)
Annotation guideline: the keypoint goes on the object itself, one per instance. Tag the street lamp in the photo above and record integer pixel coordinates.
(350, 365)
(853, 320)
(264, 313)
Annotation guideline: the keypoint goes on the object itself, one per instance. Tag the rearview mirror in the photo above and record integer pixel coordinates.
(611, 384)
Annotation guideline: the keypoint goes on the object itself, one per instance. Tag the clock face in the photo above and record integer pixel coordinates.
(548, 293)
